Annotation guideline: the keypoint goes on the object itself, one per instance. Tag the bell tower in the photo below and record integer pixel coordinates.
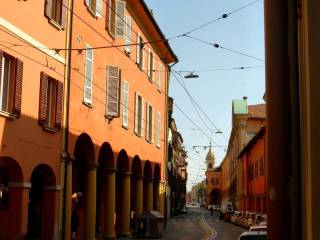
(210, 160)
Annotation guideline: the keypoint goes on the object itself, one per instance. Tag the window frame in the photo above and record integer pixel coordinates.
(125, 106)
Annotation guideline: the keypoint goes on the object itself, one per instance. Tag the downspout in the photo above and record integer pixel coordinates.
(66, 164)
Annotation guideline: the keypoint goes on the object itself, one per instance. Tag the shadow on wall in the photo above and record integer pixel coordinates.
(30, 181)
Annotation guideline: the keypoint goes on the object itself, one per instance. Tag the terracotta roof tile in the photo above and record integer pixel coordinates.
(257, 111)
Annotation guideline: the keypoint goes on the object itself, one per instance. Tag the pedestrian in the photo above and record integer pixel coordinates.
(77, 200)
(211, 210)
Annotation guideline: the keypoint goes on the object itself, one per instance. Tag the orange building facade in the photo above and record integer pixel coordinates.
(253, 158)
(106, 142)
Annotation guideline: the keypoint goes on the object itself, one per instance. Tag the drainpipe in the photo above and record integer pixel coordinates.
(66, 164)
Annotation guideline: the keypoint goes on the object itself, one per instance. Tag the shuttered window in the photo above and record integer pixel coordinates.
(139, 115)
(128, 34)
(116, 18)
(150, 65)
(159, 76)
(140, 51)
(88, 76)
(120, 19)
(113, 91)
(50, 102)
(11, 74)
(158, 128)
(125, 108)
(149, 123)
(56, 10)
(94, 6)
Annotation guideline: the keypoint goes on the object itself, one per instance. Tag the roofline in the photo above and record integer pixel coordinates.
(249, 145)
(147, 10)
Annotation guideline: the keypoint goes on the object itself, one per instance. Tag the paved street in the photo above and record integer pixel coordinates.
(198, 224)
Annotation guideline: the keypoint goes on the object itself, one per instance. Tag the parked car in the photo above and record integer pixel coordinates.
(243, 218)
(234, 217)
(250, 220)
(258, 228)
(239, 217)
(258, 235)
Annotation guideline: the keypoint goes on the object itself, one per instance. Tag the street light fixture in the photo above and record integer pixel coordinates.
(191, 75)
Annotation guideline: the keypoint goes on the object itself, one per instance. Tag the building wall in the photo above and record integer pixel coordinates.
(25, 146)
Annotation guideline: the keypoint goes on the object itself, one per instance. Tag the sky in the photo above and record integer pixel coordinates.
(242, 31)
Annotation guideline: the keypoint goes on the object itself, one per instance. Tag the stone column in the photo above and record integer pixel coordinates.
(149, 205)
(124, 228)
(156, 195)
(68, 200)
(162, 197)
(90, 202)
(110, 204)
(139, 196)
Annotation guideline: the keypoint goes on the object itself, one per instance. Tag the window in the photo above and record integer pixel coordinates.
(158, 128)
(125, 108)
(128, 26)
(139, 115)
(115, 14)
(212, 181)
(210, 165)
(149, 121)
(50, 102)
(88, 76)
(94, 6)
(159, 77)
(150, 65)
(140, 52)
(11, 71)
(256, 173)
(261, 167)
(55, 10)
(113, 91)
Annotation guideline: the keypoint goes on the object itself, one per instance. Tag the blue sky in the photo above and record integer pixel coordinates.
(213, 90)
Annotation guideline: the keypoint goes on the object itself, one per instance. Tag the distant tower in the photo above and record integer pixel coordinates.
(210, 160)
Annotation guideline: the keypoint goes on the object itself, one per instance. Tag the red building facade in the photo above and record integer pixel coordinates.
(253, 159)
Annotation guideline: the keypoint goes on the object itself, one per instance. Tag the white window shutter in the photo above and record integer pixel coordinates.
(159, 76)
(98, 8)
(120, 20)
(152, 72)
(147, 122)
(152, 126)
(142, 60)
(138, 48)
(88, 75)
(125, 112)
(142, 117)
(149, 63)
(128, 33)
(112, 91)
(87, 3)
(136, 113)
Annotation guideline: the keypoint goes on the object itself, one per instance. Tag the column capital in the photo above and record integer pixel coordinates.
(19, 184)
(111, 170)
(125, 174)
(137, 177)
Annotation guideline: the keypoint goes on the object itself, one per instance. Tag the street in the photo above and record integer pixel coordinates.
(198, 224)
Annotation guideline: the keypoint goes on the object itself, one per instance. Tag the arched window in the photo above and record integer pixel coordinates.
(210, 165)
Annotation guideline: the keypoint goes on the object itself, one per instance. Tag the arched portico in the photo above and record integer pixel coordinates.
(105, 193)
(123, 195)
(156, 188)
(136, 190)
(43, 200)
(147, 187)
(84, 177)
(13, 199)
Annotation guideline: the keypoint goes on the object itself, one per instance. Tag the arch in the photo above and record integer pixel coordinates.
(106, 157)
(136, 167)
(147, 187)
(147, 171)
(122, 207)
(123, 162)
(106, 163)
(215, 196)
(42, 203)
(84, 157)
(12, 206)
(156, 187)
